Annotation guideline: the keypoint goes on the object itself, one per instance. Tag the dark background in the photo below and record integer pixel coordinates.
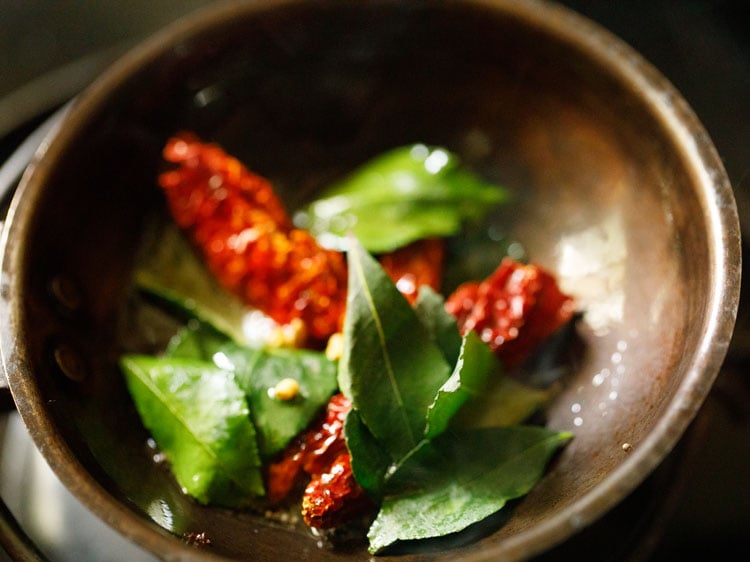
(696, 506)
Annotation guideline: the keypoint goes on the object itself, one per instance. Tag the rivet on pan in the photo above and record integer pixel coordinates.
(70, 363)
(66, 293)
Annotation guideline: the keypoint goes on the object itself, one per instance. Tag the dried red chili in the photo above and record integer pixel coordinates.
(513, 310)
(312, 453)
(419, 263)
(245, 236)
(333, 497)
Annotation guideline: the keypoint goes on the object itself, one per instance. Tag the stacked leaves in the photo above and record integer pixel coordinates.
(407, 372)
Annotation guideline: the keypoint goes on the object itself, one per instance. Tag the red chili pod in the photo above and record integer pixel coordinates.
(245, 236)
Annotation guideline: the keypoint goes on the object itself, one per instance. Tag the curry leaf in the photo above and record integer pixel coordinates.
(459, 479)
(369, 460)
(173, 272)
(504, 402)
(440, 324)
(476, 363)
(401, 196)
(199, 417)
(390, 368)
(196, 340)
(257, 372)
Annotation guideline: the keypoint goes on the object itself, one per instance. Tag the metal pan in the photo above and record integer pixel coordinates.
(618, 190)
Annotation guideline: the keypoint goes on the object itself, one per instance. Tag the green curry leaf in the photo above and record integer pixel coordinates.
(199, 417)
(369, 460)
(173, 272)
(476, 363)
(460, 478)
(257, 372)
(196, 340)
(401, 196)
(390, 368)
(440, 324)
(504, 402)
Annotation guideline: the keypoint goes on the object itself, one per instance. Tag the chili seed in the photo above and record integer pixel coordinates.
(286, 389)
(335, 346)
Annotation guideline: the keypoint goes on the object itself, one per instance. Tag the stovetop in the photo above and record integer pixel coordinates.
(696, 505)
